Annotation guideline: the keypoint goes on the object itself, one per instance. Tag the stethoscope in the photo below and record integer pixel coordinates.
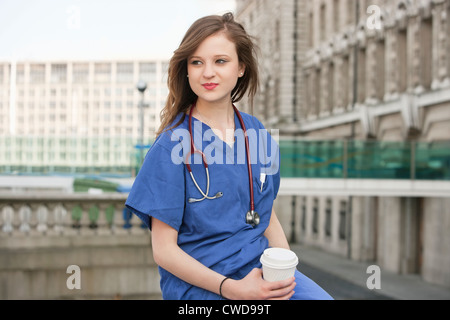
(252, 217)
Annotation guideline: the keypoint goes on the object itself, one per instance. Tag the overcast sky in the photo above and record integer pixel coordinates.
(98, 29)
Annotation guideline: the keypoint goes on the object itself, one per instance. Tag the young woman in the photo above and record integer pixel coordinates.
(195, 188)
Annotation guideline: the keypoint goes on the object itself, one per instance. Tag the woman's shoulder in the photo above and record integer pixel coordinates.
(174, 131)
(251, 120)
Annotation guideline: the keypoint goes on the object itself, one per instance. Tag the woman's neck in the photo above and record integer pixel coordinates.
(216, 115)
(219, 117)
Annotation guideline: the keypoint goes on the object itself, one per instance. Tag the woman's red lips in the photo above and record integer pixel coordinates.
(210, 86)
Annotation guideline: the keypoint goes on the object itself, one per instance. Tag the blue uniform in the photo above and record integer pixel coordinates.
(212, 231)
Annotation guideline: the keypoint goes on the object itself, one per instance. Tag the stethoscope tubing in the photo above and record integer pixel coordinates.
(205, 164)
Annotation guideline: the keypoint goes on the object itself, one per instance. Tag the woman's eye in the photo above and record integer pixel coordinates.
(221, 61)
(196, 62)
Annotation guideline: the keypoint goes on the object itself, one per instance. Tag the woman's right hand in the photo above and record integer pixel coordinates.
(254, 287)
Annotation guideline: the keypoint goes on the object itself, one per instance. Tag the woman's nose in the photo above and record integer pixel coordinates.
(209, 71)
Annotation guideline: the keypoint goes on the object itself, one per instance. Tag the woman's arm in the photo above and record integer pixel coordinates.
(169, 256)
(172, 258)
(275, 234)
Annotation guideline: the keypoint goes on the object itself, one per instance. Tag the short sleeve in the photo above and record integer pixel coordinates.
(159, 189)
(275, 166)
(272, 151)
(276, 180)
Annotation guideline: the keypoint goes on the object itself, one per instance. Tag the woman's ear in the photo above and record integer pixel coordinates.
(241, 70)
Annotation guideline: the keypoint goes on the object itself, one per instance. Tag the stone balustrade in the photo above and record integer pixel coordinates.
(66, 214)
(41, 235)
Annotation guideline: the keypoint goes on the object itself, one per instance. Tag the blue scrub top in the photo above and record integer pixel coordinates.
(212, 231)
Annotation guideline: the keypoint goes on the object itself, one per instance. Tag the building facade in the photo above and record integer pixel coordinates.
(360, 70)
(74, 115)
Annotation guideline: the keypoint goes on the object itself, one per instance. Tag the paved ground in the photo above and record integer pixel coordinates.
(338, 288)
(344, 279)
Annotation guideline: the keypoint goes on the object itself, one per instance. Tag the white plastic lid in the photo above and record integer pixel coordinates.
(279, 258)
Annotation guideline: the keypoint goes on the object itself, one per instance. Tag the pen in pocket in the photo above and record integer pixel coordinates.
(262, 178)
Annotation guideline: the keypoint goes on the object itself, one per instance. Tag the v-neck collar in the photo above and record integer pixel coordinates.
(237, 125)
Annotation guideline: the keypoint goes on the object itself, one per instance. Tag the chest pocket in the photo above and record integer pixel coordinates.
(262, 184)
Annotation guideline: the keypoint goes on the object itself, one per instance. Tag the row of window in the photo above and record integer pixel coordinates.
(98, 131)
(343, 14)
(103, 132)
(97, 118)
(113, 157)
(81, 73)
(85, 105)
(377, 74)
(41, 142)
(85, 92)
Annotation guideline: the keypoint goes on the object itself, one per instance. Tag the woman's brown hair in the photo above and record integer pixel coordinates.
(181, 96)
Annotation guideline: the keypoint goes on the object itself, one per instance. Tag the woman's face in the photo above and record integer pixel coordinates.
(214, 69)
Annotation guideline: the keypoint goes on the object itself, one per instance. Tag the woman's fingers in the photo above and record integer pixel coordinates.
(281, 289)
(282, 283)
(277, 290)
(283, 292)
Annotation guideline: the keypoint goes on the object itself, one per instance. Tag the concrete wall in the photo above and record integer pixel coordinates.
(399, 234)
(111, 267)
(436, 241)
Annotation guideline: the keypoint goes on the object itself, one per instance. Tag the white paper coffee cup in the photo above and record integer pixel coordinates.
(278, 264)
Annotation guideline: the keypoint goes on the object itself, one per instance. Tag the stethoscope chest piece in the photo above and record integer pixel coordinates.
(252, 218)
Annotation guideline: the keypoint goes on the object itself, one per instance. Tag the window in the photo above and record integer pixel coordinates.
(351, 8)
(37, 73)
(147, 71)
(308, 92)
(344, 92)
(379, 70)
(315, 218)
(317, 91)
(361, 77)
(102, 72)
(303, 224)
(336, 15)
(20, 73)
(165, 69)
(80, 72)
(323, 20)
(426, 52)
(328, 218)
(402, 56)
(124, 72)
(58, 73)
(343, 220)
(331, 94)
